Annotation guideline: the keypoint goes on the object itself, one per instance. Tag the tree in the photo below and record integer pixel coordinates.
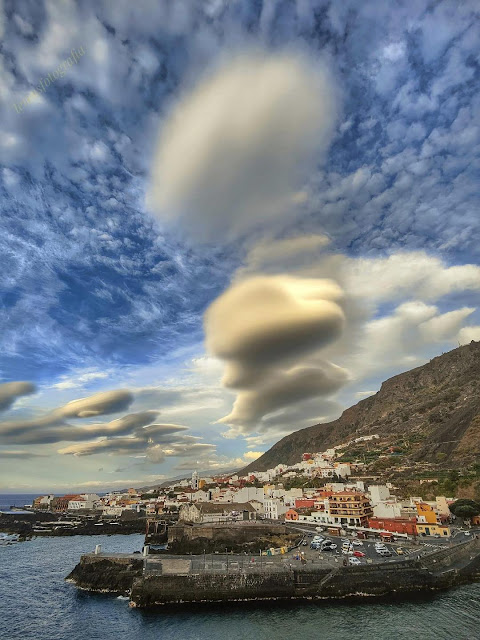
(465, 508)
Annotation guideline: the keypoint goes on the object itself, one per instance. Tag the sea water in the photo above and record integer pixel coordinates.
(37, 604)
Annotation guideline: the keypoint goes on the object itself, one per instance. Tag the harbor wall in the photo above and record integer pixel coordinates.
(170, 583)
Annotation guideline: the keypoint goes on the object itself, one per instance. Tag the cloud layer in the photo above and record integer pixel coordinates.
(10, 391)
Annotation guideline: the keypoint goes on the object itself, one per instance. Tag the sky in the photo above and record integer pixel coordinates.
(224, 221)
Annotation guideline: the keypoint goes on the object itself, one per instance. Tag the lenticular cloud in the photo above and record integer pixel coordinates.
(235, 149)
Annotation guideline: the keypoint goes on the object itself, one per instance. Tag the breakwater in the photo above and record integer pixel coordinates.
(181, 580)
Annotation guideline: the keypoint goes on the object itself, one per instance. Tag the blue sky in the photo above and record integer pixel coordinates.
(136, 194)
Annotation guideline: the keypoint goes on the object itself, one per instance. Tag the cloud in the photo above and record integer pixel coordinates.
(267, 330)
(52, 426)
(98, 404)
(284, 388)
(10, 391)
(253, 455)
(389, 322)
(265, 321)
(235, 149)
(73, 382)
(467, 334)
(409, 274)
(20, 455)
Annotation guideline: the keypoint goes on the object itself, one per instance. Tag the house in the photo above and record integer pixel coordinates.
(60, 504)
(274, 508)
(427, 523)
(291, 514)
(203, 512)
(394, 525)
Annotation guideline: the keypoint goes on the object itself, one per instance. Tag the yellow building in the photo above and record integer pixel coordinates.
(427, 523)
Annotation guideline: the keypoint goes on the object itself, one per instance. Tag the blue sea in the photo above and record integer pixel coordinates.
(37, 604)
(16, 500)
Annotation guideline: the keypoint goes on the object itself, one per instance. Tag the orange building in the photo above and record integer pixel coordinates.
(427, 522)
(291, 514)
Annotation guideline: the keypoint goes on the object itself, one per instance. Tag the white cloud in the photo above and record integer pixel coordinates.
(234, 151)
(275, 395)
(467, 334)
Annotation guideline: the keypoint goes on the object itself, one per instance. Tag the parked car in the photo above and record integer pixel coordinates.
(385, 553)
(314, 545)
(330, 546)
(304, 543)
(347, 552)
(359, 554)
(400, 551)
(309, 535)
(467, 533)
(357, 543)
(354, 561)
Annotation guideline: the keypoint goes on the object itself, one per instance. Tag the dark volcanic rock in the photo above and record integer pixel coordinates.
(107, 575)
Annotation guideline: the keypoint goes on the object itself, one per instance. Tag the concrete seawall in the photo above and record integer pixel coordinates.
(178, 580)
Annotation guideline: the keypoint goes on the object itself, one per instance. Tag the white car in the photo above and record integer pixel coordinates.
(328, 546)
(357, 543)
(347, 551)
(354, 561)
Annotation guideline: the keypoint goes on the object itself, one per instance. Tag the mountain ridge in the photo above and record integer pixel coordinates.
(434, 409)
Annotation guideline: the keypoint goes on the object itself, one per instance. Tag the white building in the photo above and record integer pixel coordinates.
(274, 508)
(378, 493)
(245, 494)
(112, 511)
(85, 501)
(195, 481)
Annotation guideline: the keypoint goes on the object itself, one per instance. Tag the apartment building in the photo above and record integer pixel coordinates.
(349, 507)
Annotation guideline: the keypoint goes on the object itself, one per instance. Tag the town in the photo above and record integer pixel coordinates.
(318, 490)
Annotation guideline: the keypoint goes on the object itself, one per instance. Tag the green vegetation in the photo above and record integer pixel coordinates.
(465, 508)
(304, 481)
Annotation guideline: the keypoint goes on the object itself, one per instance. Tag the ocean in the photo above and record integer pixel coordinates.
(37, 604)
(8, 500)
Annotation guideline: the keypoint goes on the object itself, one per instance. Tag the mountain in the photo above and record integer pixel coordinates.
(430, 414)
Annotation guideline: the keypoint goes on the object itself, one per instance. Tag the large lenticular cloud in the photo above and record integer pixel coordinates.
(268, 331)
(235, 150)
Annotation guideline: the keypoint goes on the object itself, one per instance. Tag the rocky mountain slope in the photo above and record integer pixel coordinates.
(430, 414)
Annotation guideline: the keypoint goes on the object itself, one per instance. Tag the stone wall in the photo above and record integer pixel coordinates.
(186, 538)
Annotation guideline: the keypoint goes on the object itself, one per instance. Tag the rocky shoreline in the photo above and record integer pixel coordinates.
(35, 523)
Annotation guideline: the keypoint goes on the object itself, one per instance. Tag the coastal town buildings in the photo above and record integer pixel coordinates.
(319, 489)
